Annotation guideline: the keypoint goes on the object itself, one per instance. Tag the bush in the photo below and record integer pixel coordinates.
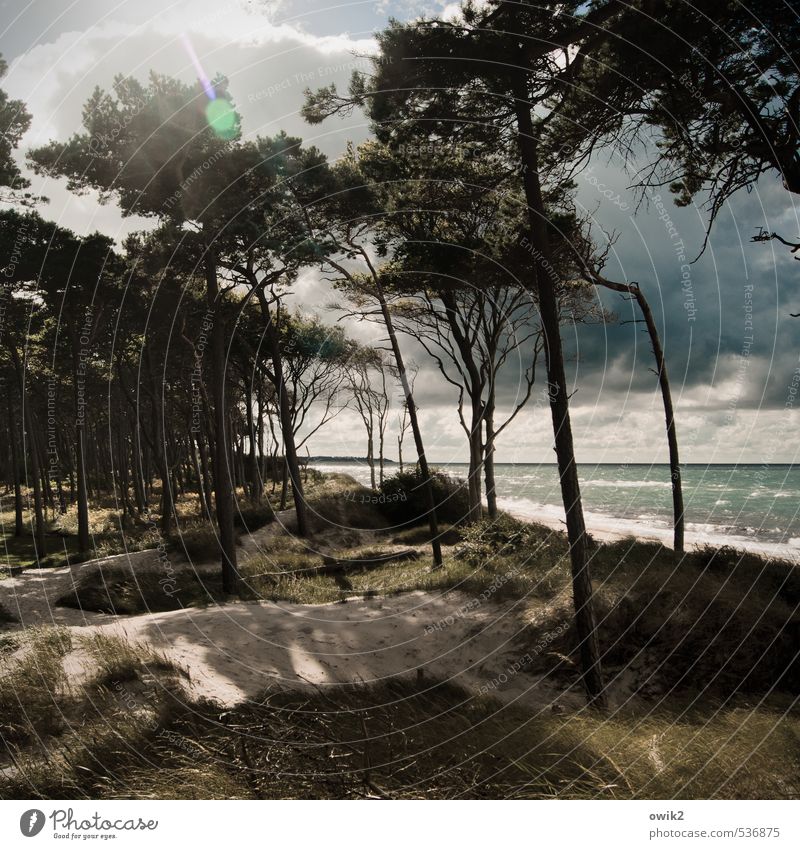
(119, 590)
(251, 518)
(5, 616)
(402, 498)
(505, 535)
(198, 543)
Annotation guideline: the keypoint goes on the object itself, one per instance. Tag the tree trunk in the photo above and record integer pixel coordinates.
(559, 402)
(254, 476)
(285, 415)
(491, 490)
(430, 499)
(136, 469)
(204, 486)
(80, 455)
(371, 458)
(634, 290)
(475, 465)
(222, 472)
(669, 415)
(19, 521)
(284, 484)
(39, 537)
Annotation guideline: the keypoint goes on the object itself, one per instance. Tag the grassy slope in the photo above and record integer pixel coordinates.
(127, 733)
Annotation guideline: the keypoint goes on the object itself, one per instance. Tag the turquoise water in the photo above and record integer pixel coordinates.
(754, 502)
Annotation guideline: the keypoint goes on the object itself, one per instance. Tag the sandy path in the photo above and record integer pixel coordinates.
(31, 596)
(235, 651)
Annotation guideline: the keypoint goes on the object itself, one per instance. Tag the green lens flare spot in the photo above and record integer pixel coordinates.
(221, 117)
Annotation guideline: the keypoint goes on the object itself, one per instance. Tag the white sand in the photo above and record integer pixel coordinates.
(235, 651)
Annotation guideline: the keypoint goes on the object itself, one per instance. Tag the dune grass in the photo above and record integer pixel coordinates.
(32, 684)
(401, 739)
(715, 622)
(707, 646)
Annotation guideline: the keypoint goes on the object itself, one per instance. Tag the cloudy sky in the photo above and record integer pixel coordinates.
(734, 394)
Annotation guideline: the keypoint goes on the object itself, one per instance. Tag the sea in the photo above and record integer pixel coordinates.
(750, 506)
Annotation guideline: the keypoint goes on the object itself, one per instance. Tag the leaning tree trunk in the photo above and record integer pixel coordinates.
(635, 291)
(430, 499)
(223, 491)
(371, 460)
(669, 416)
(591, 668)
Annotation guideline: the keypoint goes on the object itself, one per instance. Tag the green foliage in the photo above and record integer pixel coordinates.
(15, 121)
(402, 498)
(490, 539)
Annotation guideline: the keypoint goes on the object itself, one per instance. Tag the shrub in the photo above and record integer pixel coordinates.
(5, 616)
(251, 518)
(402, 498)
(119, 590)
(505, 535)
(200, 542)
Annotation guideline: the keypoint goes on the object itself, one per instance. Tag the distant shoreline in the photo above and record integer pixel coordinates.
(610, 528)
(445, 463)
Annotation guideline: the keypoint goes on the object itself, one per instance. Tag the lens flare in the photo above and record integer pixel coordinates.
(221, 117)
(201, 74)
